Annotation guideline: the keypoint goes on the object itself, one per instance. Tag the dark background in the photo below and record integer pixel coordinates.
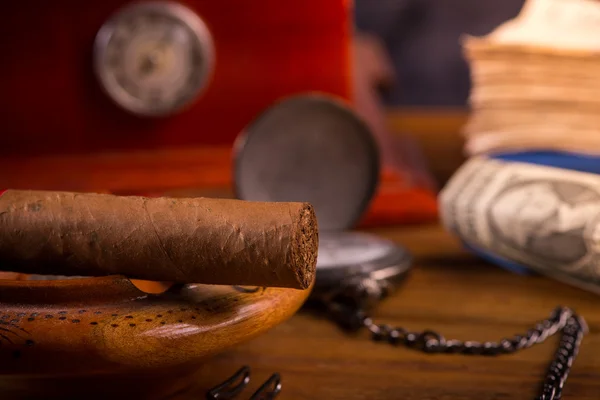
(423, 41)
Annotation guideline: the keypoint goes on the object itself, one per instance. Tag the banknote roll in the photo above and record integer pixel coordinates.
(540, 217)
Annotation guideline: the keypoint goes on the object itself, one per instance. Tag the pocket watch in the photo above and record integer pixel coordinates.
(154, 58)
(313, 147)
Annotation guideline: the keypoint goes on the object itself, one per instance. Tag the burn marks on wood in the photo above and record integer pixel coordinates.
(14, 339)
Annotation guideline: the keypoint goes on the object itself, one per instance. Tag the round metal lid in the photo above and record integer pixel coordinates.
(311, 148)
(346, 254)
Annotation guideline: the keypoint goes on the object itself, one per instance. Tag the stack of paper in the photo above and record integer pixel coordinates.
(536, 80)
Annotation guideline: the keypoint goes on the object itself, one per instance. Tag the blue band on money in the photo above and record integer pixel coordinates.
(499, 261)
(566, 160)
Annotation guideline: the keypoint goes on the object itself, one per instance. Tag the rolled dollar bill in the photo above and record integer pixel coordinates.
(544, 218)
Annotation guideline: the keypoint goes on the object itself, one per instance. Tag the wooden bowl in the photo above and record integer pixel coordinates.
(96, 337)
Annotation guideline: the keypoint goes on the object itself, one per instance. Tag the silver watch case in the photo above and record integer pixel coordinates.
(313, 147)
(366, 281)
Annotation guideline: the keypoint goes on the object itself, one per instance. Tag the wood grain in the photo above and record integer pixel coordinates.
(111, 339)
(117, 172)
(438, 133)
(448, 290)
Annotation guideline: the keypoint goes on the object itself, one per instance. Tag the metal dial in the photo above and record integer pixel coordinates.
(351, 248)
(154, 59)
(350, 259)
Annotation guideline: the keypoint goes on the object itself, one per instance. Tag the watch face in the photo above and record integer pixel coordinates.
(154, 59)
(342, 250)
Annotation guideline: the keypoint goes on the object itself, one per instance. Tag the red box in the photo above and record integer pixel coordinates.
(61, 131)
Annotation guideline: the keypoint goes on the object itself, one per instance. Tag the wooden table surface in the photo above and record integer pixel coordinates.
(448, 290)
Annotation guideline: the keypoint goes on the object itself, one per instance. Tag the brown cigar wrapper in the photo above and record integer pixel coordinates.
(192, 240)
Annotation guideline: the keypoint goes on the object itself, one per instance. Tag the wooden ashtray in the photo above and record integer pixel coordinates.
(97, 337)
(104, 336)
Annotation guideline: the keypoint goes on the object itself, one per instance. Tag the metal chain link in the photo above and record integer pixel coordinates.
(563, 319)
(234, 385)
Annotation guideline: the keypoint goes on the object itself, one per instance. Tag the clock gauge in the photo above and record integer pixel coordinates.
(155, 58)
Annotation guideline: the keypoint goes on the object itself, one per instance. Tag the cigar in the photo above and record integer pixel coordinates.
(180, 240)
